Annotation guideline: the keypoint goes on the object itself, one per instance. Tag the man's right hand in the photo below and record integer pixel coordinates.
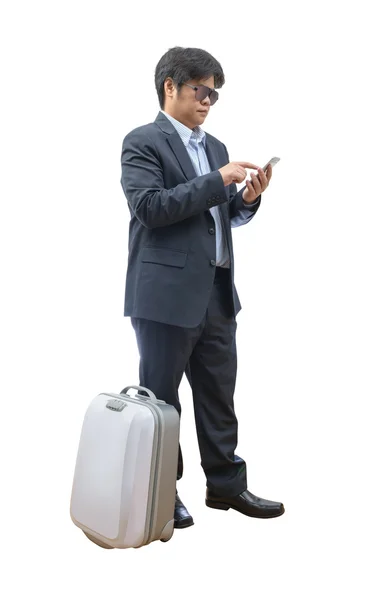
(235, 172)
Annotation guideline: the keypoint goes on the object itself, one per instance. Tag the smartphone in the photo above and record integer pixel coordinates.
(271, 162)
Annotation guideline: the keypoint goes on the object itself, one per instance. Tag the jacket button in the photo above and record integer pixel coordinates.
(212, 262)
(211, 231)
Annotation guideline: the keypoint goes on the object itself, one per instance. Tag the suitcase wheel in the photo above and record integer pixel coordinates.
(97, 542)
(167, 532)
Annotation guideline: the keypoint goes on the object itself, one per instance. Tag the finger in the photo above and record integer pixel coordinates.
(263, 179)
(256, 184)
(237, 179)
(248, 165)
(239, 175)
(269, 173)
(250, 189)
(242, 173)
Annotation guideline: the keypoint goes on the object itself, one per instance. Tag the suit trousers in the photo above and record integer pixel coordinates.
(207, 354)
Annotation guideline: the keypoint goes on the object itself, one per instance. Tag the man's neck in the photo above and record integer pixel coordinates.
(177, 119)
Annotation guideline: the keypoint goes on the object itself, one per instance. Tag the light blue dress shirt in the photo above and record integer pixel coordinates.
(194, 141)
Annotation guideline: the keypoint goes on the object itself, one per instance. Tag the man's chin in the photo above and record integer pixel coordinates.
(201, 117)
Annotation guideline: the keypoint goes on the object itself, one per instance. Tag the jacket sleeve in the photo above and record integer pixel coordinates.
(239, 212)
(144, 187)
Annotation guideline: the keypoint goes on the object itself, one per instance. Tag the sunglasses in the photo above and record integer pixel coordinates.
(202, 91)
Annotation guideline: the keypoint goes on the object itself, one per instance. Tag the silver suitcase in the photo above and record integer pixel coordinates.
(124, 486)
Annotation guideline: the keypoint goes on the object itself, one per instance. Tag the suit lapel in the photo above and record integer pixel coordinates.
(182, 155)
(177, 145)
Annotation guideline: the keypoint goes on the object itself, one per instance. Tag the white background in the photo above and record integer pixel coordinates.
(76, 77)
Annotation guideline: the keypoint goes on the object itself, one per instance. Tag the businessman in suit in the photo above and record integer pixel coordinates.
(180, 293)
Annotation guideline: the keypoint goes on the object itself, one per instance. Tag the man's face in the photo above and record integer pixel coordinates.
(185, 107)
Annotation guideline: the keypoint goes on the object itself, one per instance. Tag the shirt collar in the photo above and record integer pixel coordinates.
(185, 132)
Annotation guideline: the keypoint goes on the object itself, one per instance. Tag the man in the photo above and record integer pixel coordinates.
(180, 293)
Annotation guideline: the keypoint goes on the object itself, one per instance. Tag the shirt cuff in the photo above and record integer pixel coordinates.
(252, 205)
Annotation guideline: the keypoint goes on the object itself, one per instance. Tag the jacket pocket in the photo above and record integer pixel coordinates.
(164, 256)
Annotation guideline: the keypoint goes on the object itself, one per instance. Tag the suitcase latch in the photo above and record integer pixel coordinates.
(116, 404)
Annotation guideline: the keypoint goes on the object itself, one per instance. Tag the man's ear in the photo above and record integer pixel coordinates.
(168, 84)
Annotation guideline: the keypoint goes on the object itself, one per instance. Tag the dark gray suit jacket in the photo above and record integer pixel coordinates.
(172, 243)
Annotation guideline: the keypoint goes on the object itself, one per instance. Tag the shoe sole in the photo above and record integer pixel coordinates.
(184, 524)
(222, 506)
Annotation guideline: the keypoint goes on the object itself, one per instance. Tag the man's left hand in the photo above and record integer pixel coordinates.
(257, 185)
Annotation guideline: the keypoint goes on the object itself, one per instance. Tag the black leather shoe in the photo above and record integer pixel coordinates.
(247, 504)
(181, 516)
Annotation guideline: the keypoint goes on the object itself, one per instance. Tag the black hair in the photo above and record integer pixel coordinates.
(182, 64)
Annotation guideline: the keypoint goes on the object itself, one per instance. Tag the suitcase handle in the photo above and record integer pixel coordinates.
(151, 395)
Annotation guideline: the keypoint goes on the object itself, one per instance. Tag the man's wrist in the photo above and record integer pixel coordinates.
(250, 204)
